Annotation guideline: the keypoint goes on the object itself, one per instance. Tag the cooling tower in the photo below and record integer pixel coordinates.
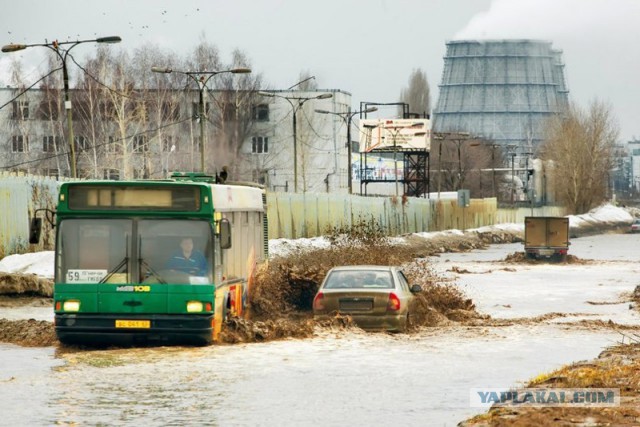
(502, 90)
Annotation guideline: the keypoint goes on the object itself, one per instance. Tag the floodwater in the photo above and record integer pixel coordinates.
(339, 377)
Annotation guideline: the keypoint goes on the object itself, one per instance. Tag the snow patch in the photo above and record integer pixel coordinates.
(39, 263)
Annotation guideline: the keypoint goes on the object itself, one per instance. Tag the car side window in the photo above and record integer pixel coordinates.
(404, 283)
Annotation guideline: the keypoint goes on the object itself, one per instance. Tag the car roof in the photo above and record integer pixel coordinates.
(364, 267)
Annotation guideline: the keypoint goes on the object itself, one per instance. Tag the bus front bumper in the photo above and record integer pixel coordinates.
(134, 329)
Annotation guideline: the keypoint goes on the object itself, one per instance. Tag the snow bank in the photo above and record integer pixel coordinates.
(509, 227)
(605, 214)
(284, 247)
(39, 263)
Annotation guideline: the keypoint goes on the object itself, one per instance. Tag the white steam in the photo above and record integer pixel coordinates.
(552, 19)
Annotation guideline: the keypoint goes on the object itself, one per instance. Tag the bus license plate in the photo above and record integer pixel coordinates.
(142, 324)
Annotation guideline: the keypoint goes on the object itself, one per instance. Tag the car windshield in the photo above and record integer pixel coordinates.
(359, 279)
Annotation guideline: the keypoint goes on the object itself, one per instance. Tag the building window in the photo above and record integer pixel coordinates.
(168, 144)
(170, 111)
(20, 144)
(113, 174)
(260, 144)
(107, 110)
(113, 145)
(48, 110)
(20, 110)
(51, 144)
(260, 112)
(140, 144)
(52, 172)
(82, 143)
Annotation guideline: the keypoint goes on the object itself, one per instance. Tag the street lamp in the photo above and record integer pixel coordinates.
(55, 47)
(347, 117)
(301, 100)
(201, 78)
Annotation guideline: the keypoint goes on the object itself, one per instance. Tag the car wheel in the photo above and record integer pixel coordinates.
(409, 323)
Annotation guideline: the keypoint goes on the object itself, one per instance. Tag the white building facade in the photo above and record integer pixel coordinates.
(316, 160)
(33, 139)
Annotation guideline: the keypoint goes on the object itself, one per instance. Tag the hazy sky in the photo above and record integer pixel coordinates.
(365, 47)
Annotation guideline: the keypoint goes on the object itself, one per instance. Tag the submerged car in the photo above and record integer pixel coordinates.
(376, 297)
(635, 226)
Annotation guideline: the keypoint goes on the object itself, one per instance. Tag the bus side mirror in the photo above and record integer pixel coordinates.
(35, 229)
(225, 234)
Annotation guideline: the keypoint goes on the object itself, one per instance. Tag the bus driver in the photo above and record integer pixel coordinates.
(188, 260)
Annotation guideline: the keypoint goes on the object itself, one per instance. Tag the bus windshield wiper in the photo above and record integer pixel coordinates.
(146, 265)
(115, 269)
(123, 263)
(142, 263)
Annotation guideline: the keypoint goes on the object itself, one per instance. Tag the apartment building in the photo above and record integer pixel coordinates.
(151, 134)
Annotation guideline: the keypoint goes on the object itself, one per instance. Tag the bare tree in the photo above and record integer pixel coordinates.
(460, 162)
(51, 109)
(581, 143)
(234, 114)
(126, 117)
(417, 94)
(20, 126)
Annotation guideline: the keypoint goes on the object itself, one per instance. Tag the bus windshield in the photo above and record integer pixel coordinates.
(134, 250)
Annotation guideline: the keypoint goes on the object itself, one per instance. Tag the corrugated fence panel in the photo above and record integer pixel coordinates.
(517, 215)
(20, 196)
(14, 216)
(309, 215)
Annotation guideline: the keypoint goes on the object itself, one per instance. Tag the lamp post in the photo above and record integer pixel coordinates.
(512, 153)
(347, 117)
(201, 78)
(55, 47)
(493, 169)
(300, 100)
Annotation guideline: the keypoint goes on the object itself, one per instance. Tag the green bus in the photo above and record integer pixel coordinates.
(153, 261)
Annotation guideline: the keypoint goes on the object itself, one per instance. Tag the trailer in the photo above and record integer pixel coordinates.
(546, 237)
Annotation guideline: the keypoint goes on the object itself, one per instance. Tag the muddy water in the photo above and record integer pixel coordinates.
(336, 378)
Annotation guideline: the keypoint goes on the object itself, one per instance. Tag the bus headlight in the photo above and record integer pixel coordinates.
(71, 305)
(194, 306)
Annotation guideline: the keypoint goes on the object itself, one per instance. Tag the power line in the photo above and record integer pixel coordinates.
(95, 79)
(25, 91)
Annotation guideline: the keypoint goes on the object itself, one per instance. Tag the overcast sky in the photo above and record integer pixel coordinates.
(365, 47)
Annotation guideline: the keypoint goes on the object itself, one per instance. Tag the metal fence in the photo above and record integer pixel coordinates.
(298, 215)
(20, 195)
